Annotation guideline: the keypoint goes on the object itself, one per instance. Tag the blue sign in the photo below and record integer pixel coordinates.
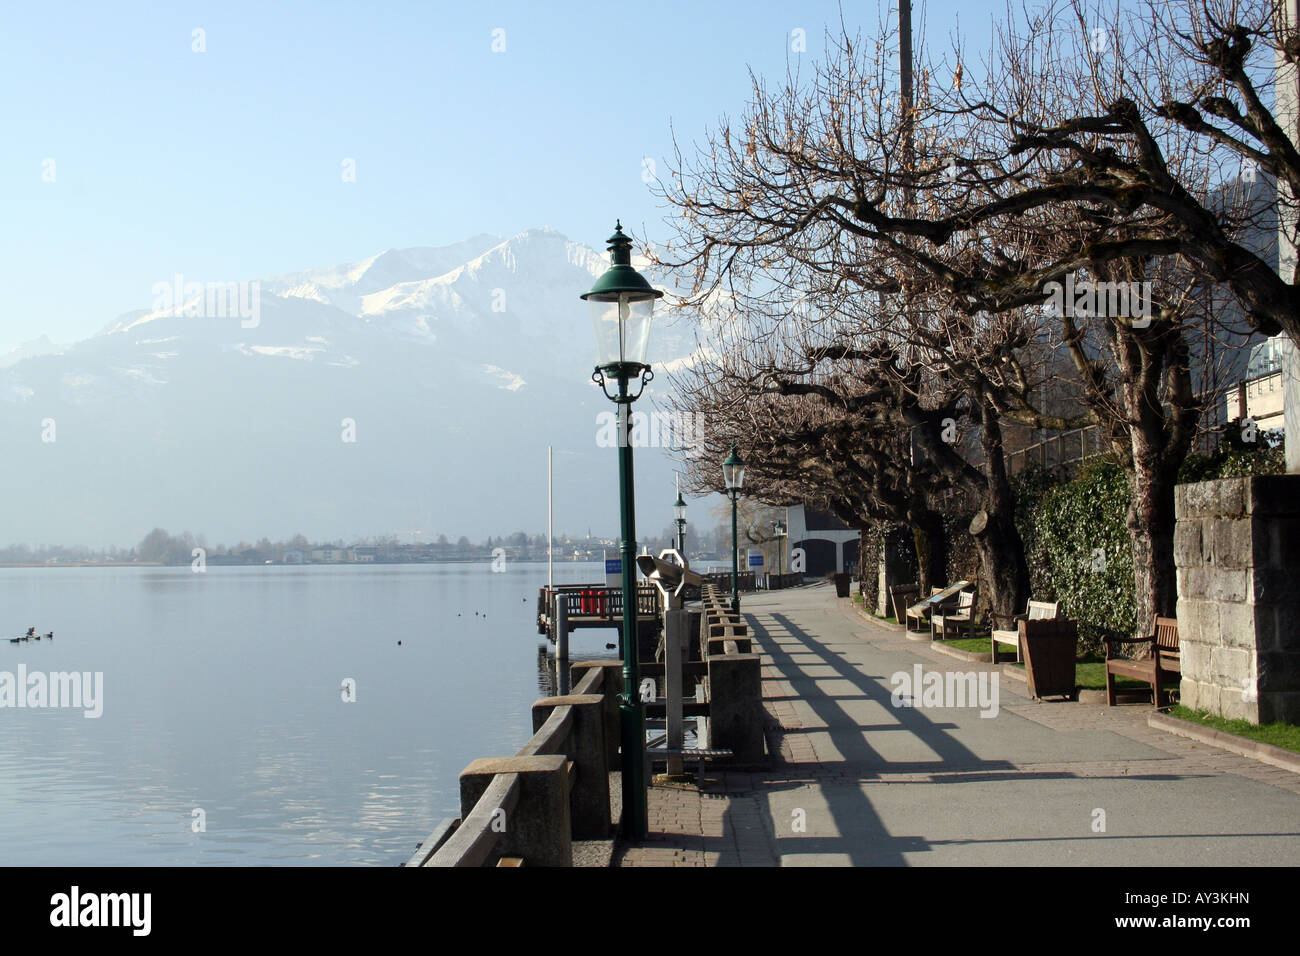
(613, 565)
(756, 560)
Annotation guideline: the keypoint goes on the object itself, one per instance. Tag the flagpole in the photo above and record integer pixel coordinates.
(550, 528)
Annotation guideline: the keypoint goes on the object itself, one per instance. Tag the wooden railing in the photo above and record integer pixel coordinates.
(776, 582)
(590, 604)
(722, 580)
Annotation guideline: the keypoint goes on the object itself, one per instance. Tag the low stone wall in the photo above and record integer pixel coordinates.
(530, 807)
(1237, 550)
(734, 685)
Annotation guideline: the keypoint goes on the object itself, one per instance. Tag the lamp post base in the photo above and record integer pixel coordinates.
(631, 722)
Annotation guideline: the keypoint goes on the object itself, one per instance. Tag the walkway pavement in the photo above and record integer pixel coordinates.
(858, 782)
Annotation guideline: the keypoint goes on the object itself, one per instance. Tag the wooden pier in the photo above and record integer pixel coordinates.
(596, 605)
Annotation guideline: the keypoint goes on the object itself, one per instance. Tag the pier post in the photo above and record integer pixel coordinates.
(562, 642)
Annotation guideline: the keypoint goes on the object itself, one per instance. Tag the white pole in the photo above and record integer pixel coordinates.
(550, 530)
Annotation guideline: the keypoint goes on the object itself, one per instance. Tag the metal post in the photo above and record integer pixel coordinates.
(675, 627)
(550, 516)
(631, 713)
(735, 559)
(562, 641)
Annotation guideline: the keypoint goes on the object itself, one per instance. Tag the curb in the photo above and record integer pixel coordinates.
(1254, 749)
(864, 613)
(973, 656)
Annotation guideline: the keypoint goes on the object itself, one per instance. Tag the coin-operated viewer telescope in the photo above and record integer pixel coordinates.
(672, 578)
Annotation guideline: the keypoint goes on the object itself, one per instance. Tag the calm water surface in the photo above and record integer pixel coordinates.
(223, 692)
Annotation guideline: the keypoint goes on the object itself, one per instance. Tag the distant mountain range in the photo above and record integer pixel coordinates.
(226, 408)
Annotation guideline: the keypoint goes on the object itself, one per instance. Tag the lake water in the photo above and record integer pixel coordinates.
(223, 692)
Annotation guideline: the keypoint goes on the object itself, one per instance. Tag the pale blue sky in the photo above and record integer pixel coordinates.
(226, 164)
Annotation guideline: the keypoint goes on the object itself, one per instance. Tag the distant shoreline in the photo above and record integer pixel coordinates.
(87, 564)
(279, 564)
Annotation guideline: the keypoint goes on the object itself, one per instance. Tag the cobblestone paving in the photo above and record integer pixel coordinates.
(855, 781)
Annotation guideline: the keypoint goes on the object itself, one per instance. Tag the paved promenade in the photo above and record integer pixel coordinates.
(857, 782)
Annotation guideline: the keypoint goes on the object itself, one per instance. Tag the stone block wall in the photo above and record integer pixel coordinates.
(1237, 550)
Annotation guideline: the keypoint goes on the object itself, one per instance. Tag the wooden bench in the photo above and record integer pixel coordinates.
(1156, 667)
(686, 753)
(898, 596)
(962, 616)
(1035, 611)
(940, 599)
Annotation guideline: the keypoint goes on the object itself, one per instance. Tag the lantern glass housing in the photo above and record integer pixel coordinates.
(622, 325)
(622, 304)
(733, 471)
(679, 509)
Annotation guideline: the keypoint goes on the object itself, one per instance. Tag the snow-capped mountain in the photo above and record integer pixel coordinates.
(414, 389)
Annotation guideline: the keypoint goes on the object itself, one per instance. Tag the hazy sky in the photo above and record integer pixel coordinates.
(228, 164)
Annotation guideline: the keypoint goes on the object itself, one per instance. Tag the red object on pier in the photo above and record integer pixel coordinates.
(593, 602)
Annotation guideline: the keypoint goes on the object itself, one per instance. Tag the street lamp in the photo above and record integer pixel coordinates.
(778, 526)
(733, 477)
(622, 303)
(679, 508)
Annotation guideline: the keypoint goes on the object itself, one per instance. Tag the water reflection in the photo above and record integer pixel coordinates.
(222, 692)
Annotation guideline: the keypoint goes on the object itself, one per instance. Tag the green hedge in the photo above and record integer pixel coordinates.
(1063, 522)
(1077, 548)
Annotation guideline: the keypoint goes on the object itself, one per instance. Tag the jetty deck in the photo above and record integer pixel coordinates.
(596, 605)
(857, 781)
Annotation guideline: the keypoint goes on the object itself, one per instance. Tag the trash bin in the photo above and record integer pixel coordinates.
(841, 584)
(1050, 648)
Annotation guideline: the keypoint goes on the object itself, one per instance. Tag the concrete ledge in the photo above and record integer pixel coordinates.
(877, 621)
(973, 656)
(736, 714)
(538, 828)
(434, 841)
(580, 735)
(1015, 673)
(1254, 749)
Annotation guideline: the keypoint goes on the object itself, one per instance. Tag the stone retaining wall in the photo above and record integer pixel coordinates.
(1237, 550)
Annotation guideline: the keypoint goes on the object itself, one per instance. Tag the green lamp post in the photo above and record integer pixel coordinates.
(679, 509)
(622, 303)
(778, 526)
(733, 478)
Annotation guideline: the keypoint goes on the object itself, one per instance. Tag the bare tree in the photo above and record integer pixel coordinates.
(1087, 153)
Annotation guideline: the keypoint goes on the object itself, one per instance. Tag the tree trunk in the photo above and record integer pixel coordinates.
(931, 548)
(1162, 413)
(1002, 551)
(1150, 522)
